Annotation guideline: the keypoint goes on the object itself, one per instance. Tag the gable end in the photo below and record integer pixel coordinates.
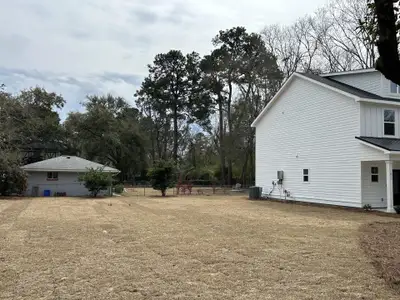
(287, 86)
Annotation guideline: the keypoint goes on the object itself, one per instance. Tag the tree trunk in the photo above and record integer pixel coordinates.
(221, 140)
(175, 135)
(252, 162)
(152, 137)
(244, 168)
(229, 117)
(153, 147)
(163, 193)
(165, 139)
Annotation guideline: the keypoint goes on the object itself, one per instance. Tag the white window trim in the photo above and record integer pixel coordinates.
(302, 175)
(51, 178)
(383, 116)
(371, 174)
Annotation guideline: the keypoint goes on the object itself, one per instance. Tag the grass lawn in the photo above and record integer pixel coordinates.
(194, 247)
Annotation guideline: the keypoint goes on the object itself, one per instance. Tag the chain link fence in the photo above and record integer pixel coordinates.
(185, 190)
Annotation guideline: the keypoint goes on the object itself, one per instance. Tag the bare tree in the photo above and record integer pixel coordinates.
(327, 41)
(343, 46)
(283, 42)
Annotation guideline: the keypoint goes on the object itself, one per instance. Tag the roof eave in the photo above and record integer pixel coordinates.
(394, 102)
(281, 90)
(377, 147)
(64, 170)
(384, 150)
(362, 71)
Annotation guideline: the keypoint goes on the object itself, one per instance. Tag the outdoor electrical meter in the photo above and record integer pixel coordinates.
(279, 175)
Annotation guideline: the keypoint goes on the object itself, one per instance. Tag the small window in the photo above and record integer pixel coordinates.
(52, 175)
(394, 88)
(389, 122)
(305, 175)
(374, 174)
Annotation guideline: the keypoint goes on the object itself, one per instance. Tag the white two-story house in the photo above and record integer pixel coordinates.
(336, 139)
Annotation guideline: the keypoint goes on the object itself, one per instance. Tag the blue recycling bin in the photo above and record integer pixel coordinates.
(46, 193)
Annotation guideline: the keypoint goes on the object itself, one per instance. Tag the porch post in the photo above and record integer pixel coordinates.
(389, 185)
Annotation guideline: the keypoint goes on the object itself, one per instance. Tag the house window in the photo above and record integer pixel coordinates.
(305, 175)
(394, 88)
(389, 122)
(52, 176)
(374, 174)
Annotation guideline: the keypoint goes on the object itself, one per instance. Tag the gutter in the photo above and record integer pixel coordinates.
(395, 102)
(66, 171)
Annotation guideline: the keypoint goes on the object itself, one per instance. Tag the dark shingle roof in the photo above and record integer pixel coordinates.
(67, 163)
(347, 88)
(390, 144)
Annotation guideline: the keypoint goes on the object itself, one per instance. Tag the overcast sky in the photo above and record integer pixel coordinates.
(76, 47)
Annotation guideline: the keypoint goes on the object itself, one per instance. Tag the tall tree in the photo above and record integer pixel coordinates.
(30, 119)
(173, 90)
(42, 120)
(241, 62)
(109, 132)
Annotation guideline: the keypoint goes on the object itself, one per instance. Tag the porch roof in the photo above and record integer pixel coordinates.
(388, 144)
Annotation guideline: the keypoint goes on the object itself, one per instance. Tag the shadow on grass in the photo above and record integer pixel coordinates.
(12, 198)
(380, 241)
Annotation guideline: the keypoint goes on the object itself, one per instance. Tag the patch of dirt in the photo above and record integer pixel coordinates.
(381, 242)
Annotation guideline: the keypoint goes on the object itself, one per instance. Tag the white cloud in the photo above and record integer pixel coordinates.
(86, 39)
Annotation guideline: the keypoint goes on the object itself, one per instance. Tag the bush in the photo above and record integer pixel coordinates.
(367, 207)
(397, 209)
(95, 180)
(162, 176)
(119, 188)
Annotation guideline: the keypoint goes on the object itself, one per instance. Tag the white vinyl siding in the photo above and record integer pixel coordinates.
(387, 90)
(368, 153)
(372, 121)
(373, 193)
(394, 88)
(311, 127)
(370, 82)
(67, 182)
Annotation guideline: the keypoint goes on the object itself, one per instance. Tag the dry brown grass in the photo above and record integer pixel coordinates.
(222, 247)
(381, 242)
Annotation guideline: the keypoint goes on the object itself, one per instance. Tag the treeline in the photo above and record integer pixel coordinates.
(200, 108)
(194, 110)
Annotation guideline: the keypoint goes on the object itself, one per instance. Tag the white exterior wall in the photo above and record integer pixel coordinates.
(373, 82)
(370, 81)
(372, 119)
(386, 89)
(367, 153)
(311, 127)
(67, 182)
(374, 193)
